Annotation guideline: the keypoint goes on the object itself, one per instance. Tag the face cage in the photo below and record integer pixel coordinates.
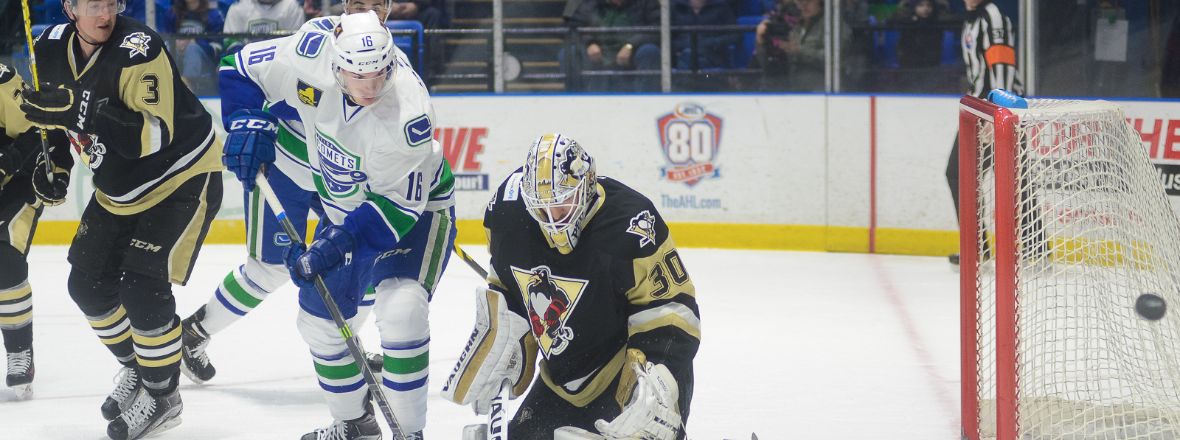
(97, 8)
(364, 83)
(574, 204)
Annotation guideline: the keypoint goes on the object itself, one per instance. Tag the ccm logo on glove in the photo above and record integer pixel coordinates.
(254, 124)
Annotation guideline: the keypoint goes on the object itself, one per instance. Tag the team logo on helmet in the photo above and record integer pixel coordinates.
(643, 225)
(340, 169)
(690, 138)
(136, 44)
(549, 300)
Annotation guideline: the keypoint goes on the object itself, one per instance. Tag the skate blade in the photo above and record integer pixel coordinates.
(169, 424)
(192, 376)
(23, 392)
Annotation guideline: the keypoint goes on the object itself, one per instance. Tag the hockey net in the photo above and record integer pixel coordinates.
(1069, 225)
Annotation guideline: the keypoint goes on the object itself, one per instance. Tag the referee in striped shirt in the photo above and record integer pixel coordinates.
(989, 54)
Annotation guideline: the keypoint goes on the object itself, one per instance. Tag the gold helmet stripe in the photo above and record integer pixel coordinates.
(545, 167)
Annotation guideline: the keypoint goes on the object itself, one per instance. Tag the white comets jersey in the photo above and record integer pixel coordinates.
(383, 154)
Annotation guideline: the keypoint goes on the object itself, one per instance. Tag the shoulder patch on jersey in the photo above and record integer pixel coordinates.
(643, 225)
(310, 44)
(55, 33)
(6, 74)
(309, 95)
(136, 43)
(418, 131)
(512, 188)
(323, 23)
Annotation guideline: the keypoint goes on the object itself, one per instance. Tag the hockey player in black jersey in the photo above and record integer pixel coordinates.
(584, 271)
(22, 177)
(110, 84)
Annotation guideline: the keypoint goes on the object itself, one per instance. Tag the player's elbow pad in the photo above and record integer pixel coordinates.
(500, 348)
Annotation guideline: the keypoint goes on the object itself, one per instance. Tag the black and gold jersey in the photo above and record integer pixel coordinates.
(15, 130)
(150, 133)
(623, 286)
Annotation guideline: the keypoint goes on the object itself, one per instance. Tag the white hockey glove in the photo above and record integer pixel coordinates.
(500, 348)
(652, 413)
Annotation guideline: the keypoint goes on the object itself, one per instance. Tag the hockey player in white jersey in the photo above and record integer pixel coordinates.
(244, 288)
(388, 202)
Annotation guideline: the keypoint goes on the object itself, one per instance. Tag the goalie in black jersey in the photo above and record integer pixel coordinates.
(110, 85)
(22, 177)
(584, 271)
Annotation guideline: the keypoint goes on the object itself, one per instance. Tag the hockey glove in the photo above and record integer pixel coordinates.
(492, 355)
(250, 144)
(52, 193)
(331, 248)
(57, 107)
(652, 413)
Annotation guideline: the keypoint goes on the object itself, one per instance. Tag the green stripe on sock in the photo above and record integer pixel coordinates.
(407, 365)
(337, 372)
(236, 291)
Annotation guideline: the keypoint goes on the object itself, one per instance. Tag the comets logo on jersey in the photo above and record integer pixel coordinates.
(643, 225)
(340, 169)
(690, 138)
(136, 44)
(549, 300)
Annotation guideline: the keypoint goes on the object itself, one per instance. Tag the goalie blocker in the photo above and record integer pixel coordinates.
(585, 273)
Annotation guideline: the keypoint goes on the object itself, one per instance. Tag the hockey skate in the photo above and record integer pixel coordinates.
(147, 415)
(362, 428)
(126, 386)
(194, 362)
(20, 373)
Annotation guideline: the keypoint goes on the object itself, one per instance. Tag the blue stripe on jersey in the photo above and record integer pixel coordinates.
(238, 92)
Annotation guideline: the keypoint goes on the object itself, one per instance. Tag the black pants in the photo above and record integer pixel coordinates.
(123, 267)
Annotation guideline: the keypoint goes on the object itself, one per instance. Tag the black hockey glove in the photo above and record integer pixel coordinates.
(52, 193)
(57, 107)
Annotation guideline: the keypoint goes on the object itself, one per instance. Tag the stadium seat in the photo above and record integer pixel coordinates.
(406, 42)
(745, 50)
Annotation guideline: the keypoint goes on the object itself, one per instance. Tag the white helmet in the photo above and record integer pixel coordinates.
(559, 187)
(363, 46)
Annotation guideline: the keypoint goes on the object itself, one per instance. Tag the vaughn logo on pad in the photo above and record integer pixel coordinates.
(690, 138)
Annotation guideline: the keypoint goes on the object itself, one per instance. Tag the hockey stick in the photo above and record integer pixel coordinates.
(497, 426)
(353, 343)
(24, 4)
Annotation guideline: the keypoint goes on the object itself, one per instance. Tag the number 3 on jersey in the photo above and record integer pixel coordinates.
(414, 188)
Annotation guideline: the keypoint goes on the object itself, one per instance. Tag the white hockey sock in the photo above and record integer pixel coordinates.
(402, 313)
(241, 291)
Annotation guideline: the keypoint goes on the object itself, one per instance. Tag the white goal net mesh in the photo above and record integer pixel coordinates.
(1094, 231)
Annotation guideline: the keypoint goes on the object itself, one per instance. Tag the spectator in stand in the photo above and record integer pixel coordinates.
(1170, 71)
(616, 51)
(261, 17)
(920, 45)
(805, 49)
(771, 40)
(197, 57)
(424, 11)
(713, 48)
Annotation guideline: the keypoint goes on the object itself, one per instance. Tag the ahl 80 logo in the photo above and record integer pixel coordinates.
(690, 138)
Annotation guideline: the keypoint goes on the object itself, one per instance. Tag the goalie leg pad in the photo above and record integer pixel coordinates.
(500, 348)
(338, 375)
(402, 313)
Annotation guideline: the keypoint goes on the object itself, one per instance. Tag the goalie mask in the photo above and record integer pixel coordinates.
(559, 187)
(364, 57)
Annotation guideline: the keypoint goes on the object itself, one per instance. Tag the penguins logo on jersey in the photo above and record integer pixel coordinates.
(136, 44)
(549, 299)
(643, 225)
(339, 168)
(88, 148)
